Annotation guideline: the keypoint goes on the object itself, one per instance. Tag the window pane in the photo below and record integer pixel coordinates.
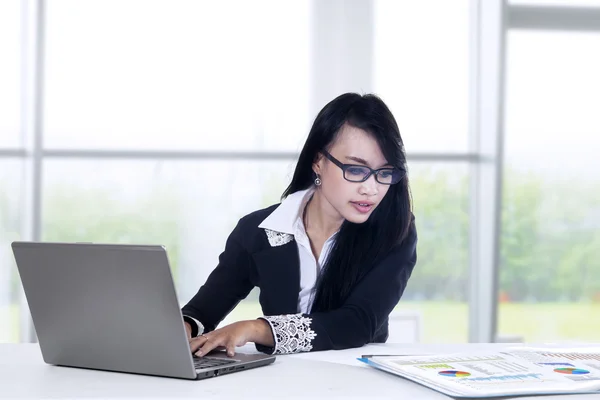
(438, 287)
(421, 70)
(550, 270)
(190, 207)
(10, 75)
(198, 75)
(11, 214)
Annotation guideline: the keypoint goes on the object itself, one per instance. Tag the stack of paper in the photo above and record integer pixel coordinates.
(513, 372)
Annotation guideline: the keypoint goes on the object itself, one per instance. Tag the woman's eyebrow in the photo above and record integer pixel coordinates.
(357, 159)
(364, 162)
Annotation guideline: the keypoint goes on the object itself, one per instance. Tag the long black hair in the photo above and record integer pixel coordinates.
(357, 247)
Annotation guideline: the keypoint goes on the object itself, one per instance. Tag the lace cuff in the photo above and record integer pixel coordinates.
(291, 333)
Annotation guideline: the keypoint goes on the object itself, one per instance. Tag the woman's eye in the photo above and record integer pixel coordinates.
(358, 171)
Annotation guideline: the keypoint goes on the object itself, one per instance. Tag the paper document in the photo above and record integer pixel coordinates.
(511, 372)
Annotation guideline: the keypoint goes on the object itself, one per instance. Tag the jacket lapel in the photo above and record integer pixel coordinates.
(279, 278)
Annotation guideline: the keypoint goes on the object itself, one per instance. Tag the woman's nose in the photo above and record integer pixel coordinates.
(370, 187)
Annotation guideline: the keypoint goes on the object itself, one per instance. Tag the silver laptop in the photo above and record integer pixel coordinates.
(114, 308)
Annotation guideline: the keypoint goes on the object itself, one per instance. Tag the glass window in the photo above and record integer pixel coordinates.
(437, 290)
(549, 271)
(10, 72)
(421, 70)
(192, 75)
(190, 207)
(11, 215)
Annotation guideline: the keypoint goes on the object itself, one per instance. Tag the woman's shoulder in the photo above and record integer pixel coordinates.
(254, 219)
(248, 231)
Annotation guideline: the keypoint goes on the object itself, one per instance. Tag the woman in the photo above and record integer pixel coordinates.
(333, 258)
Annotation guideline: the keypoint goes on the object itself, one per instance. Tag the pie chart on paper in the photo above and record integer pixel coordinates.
(454, 374)
(572, 371)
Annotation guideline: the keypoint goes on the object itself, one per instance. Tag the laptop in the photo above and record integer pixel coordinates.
(114, 308)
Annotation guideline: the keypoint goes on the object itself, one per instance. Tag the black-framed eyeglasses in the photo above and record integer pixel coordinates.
(360, 173)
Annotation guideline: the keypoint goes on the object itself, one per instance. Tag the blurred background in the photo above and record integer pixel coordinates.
(165, 121)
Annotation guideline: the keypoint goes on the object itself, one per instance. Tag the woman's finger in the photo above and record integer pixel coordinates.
(197, 342)
(230, 349)
(209, 345)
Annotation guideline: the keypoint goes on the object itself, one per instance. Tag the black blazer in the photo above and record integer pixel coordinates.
(250, 259)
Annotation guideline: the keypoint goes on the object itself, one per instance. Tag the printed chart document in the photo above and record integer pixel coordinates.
(518, 371)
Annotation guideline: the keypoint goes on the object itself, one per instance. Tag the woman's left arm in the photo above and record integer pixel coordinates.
(356, 322)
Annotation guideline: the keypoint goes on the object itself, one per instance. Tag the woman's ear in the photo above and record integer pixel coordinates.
(318, 164)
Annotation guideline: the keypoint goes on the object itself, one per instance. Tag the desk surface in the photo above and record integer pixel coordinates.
(331, 374)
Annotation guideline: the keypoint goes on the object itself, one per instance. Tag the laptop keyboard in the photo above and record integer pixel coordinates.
(207, 362)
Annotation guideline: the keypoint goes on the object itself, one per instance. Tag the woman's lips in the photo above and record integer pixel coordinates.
(362, 206)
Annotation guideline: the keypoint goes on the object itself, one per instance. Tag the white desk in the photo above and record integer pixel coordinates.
(326, 375)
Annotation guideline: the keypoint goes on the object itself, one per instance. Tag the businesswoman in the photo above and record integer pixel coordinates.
(333, 258)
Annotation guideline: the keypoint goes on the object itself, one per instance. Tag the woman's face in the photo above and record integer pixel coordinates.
(354, 201)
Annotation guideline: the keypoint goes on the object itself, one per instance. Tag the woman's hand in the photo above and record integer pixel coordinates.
(231, 336)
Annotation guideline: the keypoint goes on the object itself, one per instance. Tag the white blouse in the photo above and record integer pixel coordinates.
(287, 219)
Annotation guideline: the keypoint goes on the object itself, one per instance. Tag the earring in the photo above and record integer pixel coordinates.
(318, 181)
